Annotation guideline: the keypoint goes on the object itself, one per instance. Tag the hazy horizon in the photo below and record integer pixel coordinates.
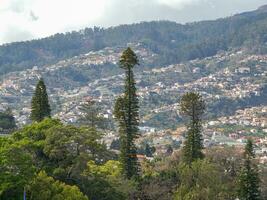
(33, 19)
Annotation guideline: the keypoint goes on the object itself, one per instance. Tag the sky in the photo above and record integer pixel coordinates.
(30, 19)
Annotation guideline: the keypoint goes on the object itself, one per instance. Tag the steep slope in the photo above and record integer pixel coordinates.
(228, 81)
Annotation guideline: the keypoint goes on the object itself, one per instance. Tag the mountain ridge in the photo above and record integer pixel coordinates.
(172, 41)
(263, 8)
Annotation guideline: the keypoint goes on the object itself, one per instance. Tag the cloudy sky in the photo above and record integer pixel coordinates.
(28, 19)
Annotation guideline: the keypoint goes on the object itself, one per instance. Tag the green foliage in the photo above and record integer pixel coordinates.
(192, 106)
(16, 168)
(126, 112)
(70, 148)
(108, 181)
(80, 167)
(61, 150)
(202, 181)
(248, 180)
(249, 149)
(159, 179)
(40, 104)
(128, 60)
(36, 131)
(110, 169)
(7, 121)
(44, 187)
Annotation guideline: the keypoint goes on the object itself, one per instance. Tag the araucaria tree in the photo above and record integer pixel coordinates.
(193, 106)
(91, 115)
(248, 181)
(40, 107)
(126, 112)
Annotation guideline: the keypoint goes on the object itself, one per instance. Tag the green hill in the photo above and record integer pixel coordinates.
(173, 42)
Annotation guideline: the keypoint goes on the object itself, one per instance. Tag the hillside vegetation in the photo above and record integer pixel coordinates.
(173, 42)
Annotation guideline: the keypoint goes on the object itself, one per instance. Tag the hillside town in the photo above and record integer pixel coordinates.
(235, 79)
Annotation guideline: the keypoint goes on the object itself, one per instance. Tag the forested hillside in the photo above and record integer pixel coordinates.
(173, 42)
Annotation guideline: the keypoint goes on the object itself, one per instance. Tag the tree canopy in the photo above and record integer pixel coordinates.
(40, 107)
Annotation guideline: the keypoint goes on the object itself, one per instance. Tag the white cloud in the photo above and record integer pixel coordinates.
(178, 3)
(27, 19)
(46, 17)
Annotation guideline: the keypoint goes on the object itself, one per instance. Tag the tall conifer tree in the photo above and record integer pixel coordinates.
(248, 181)
(127, 114)
(193, 106)
(40, 107)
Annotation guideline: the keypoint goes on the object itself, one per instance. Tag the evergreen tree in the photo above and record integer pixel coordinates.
(248, 181)
(249, 149)
(193, 106)
(127, 115)
(40, 104)
(92, 116)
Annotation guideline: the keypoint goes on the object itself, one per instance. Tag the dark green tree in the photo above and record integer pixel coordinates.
(193, 106)
(249, 149)
(248, 181)
(40, 104)
(7, 121)
(127, 115)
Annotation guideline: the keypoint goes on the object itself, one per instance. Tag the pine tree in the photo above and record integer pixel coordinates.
(40, 107)
(192, 106)
(248, 181)
(127, 115)
(92, 116)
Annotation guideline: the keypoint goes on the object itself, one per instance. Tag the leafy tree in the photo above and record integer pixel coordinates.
(107, 181)
(44, 187)
(70, 148)
(248, 181)
(21, 155)
(16, 168)
(202, 181)
(34, 136)
(61, 150)
(37, 131)
(192, 106)
(40, 104)
(127, 114)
